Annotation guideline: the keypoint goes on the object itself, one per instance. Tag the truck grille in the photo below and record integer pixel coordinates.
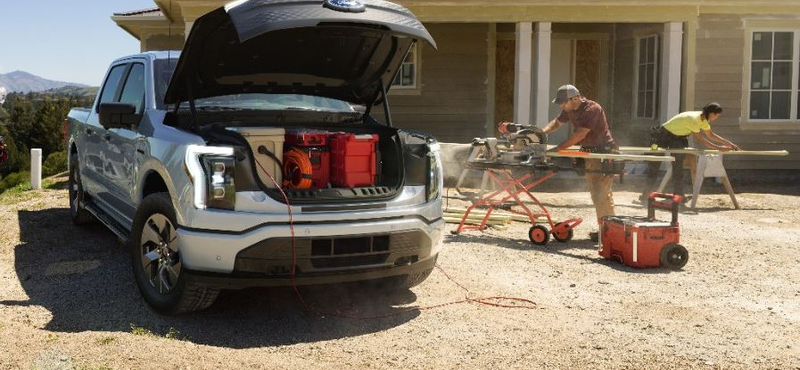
(273, 257)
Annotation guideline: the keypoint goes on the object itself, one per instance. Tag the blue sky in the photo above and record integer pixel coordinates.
(72, 41)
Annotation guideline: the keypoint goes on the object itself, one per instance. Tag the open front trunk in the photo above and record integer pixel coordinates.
(258, 73)
(358, 162)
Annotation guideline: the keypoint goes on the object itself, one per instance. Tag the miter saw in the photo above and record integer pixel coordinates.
(524, 145)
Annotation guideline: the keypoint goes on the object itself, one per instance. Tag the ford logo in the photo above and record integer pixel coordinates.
(352, 6)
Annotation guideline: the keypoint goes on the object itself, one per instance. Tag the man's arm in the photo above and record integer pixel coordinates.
(574, 139)
(552, 126)
(719, 139)
(708, 143)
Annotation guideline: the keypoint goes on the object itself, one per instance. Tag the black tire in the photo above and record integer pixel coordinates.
(674, 256)
(79, 215)
(156, 261)
(539, 235)
(562, 237)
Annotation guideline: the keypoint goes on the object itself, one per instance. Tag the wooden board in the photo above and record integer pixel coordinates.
(616, 157)
(646, 150)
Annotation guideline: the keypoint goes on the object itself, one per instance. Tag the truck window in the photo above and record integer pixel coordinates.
(133, 92)
(112, 84)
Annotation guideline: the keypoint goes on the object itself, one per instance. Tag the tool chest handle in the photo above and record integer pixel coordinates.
(668, 202)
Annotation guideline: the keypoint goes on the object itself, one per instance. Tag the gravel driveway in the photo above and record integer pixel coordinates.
(68, 301)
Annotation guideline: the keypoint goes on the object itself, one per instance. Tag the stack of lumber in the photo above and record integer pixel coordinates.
(497, 220)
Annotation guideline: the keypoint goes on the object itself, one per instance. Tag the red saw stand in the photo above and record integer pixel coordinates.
(510, 194)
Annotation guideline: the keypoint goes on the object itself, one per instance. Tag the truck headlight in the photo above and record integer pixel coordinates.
(220, 187)
(211, 170)
(433, 186)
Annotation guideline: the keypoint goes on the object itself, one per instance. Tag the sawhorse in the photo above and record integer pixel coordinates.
(708, 165)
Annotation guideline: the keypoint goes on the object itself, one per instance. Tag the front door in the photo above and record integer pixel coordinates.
(120, 166)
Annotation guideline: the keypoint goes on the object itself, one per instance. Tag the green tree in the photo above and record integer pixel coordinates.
(18, 160)
(47, 126)
(20, 122)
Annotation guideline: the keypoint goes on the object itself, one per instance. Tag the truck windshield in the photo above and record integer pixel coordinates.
(164, 68)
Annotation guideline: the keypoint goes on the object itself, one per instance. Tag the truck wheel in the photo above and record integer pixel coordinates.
(539, 235)
(156, 260)
(674, 256)
(79, 215)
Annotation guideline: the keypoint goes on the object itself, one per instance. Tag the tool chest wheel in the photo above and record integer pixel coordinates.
(562, 236)
(674, 256)
(539, 235)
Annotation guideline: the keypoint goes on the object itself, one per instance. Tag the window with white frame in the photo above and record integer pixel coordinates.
(772, 94)
(407, 76)
(646, 78)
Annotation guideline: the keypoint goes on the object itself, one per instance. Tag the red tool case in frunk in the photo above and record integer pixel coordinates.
(315, 143)
(645, 241)
(353, 159)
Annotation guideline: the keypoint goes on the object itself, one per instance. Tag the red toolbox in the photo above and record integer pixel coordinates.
(315, 143)
(644, 241)
(354, 159)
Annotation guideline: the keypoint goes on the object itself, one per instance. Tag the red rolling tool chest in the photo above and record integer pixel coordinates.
(315, 143)
(644, 241)
(353, 159)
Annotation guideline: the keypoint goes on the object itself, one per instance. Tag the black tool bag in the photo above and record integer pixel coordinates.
(609, 166)
(665, 139)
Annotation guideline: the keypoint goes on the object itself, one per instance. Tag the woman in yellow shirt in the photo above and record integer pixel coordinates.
(674, 134)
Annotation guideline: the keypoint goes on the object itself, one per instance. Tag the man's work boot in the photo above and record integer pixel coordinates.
(594, 236)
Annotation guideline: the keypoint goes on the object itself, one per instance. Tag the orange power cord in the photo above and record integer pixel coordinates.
(297, 169)
(489, 301)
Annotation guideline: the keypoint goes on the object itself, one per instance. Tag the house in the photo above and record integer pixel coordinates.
(644, 61)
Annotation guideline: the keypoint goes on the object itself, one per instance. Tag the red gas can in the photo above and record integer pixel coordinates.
(354, 159)
(315, 144)
(645, 241)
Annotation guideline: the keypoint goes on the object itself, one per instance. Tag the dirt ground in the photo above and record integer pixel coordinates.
(68, 301)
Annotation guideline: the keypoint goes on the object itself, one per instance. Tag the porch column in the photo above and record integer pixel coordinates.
(671, 56)
(522, 74)
(541, 76)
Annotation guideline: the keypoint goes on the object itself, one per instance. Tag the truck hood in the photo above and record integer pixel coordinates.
(342, 49)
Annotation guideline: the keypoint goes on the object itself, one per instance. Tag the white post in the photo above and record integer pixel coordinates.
(522, 73)
(671, 57)
(541, 75)
(36, 168)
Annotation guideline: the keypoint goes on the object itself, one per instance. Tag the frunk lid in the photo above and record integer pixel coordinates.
(341, 49)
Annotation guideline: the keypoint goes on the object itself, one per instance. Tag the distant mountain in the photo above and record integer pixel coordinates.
(19, 81)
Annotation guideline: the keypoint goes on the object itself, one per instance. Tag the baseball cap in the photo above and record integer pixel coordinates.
(566, 92)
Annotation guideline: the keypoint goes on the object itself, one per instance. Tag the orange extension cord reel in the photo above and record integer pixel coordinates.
(297, 169)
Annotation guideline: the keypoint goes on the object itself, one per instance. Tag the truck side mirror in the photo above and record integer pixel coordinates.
(118, 115)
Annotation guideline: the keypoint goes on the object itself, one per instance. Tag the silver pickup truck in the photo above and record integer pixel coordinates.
(182, 155)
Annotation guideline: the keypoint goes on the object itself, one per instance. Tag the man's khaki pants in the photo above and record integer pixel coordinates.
(600, 188)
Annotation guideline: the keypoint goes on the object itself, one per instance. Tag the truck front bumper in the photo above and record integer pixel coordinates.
(319, 251)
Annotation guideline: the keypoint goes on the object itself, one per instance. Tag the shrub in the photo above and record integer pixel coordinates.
(55, 163)
(14, 179)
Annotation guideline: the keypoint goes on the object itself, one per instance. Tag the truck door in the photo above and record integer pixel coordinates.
(93, 156)
(119, 167)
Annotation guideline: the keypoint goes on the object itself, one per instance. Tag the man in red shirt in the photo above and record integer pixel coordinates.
(590, 130)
